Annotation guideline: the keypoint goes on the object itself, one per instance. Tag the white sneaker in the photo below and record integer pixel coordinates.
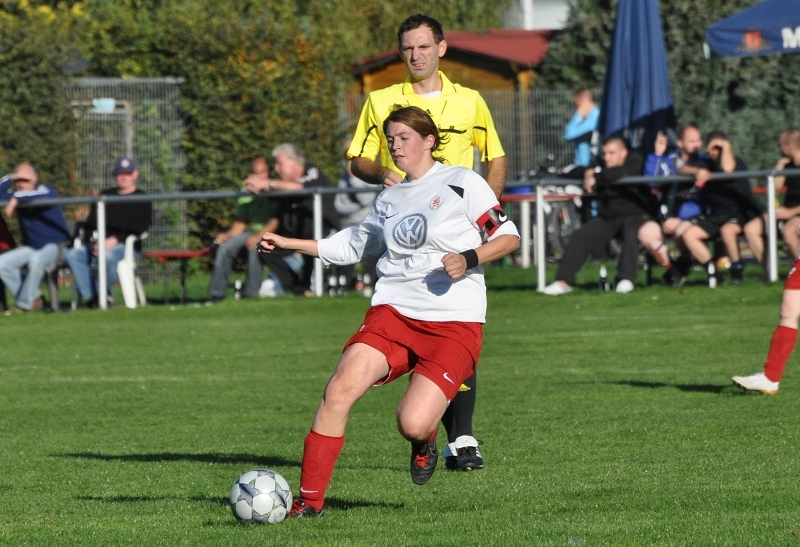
(268, 289)
(757, 382)
(556, 289)
(624, 286)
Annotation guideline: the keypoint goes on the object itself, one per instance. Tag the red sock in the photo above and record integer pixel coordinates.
(319, 456)
(780, 348)
(662, 259)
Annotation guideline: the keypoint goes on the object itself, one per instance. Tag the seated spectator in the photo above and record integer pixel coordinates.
(731, 210)
(625, 211)
(122, 220)
(789, 212)
(254, 217)
(43, 228)
(296, 215)
(680, 201)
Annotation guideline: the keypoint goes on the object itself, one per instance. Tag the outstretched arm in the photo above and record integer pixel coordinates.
(270, 242)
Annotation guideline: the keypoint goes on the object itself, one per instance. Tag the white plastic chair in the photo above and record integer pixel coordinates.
(130, 283)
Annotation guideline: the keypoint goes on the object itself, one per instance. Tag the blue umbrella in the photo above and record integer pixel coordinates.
(769, 27)
(636, 101)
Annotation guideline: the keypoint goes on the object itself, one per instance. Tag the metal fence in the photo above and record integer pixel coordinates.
(139, 118)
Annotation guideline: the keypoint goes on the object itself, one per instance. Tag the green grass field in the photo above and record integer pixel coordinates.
(607, 420)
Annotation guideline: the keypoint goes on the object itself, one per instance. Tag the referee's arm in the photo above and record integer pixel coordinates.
(496, 174)
(370, 171)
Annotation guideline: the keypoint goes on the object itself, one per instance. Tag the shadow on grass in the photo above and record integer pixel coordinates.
(253, 459)
(700, 388)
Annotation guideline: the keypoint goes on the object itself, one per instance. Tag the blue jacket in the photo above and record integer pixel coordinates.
(580, 129)
(39, 225)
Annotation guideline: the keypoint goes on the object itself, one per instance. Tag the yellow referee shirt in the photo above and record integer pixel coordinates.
(459, 112)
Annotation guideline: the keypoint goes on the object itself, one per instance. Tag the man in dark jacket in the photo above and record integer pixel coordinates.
(43, 228)
(123, 219)
(624, 211)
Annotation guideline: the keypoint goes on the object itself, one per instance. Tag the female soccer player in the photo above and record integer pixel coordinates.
(429, 302)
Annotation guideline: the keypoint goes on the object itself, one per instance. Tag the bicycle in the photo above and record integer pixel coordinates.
(562, 210)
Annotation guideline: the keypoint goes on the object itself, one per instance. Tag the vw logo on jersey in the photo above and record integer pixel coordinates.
(411, 231)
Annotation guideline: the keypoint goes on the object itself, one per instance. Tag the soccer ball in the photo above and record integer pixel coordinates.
(260, 496)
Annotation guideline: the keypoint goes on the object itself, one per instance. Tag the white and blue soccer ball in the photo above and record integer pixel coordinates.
(259, 496)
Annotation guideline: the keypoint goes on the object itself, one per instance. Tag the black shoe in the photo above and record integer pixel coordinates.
(469, 458)
(300, 510)
(451, 463)
(736, 276)
(423, 461)
(674, 277)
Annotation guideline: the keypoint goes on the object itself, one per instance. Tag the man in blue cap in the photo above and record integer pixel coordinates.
(122, 220)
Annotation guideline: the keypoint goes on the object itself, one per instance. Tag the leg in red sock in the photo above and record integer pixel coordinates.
(319, 457)
(783, 342)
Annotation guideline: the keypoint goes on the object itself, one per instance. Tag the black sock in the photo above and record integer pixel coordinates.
(457, 418)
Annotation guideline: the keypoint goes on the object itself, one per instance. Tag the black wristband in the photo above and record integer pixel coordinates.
(472, 258)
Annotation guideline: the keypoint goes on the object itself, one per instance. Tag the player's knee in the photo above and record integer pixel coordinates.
(413, 428)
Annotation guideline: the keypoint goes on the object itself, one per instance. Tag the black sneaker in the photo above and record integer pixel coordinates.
(423, 461)
(674, 278)
(736, 276)
(451, 463)
(469, 458)
(300, 510)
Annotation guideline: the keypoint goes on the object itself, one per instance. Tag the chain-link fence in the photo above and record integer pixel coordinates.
(139, 118)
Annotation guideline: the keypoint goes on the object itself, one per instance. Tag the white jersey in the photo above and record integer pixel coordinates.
(413, 225)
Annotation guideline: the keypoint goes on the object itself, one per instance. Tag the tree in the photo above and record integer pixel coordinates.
(37, 121)
(256, 73)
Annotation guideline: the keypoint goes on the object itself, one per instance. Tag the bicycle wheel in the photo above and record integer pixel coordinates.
(562, 222)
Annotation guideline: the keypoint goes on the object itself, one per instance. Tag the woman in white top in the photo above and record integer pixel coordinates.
(429, 303)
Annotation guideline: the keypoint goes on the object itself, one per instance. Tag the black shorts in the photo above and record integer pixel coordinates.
(712, 224)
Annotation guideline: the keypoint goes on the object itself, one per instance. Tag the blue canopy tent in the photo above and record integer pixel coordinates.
(773, 26)
(636, 101)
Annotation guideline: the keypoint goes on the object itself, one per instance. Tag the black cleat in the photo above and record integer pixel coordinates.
(469, 458)
(674, 277)
(300, 510)
(737, 275)
(423, 461)
(451, 463)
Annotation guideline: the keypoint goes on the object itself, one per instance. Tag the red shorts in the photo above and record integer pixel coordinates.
(793, 281)
(445, 352)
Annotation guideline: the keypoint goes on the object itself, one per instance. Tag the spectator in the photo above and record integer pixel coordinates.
(43, 228)
(732, 210)
(581, 128)
(784, 339)
(789, 212)
(625, 211)
(122, 220)
(254, 216)
(296, 215)
(679, 201)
